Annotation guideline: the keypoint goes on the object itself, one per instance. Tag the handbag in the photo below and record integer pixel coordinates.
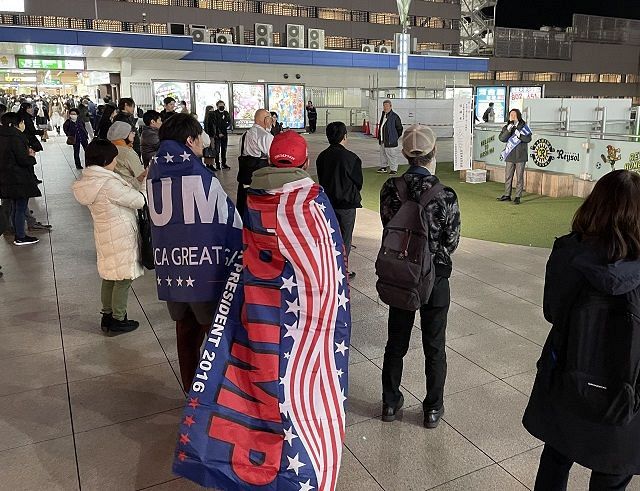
(208, 153)
(144, 242)
(71, 140)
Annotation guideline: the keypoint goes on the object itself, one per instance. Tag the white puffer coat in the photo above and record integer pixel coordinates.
(113, 204)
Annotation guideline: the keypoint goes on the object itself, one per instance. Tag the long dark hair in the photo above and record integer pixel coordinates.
(611, 215)
(518, 114)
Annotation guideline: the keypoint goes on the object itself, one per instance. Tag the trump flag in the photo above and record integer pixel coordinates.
(266, 410)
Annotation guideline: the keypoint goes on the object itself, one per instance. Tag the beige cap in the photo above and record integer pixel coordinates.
(418, 140)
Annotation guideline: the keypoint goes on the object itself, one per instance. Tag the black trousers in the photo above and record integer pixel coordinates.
(220, 149)
(433, 322)
(346, 220)
(312, 125)
(553, 474)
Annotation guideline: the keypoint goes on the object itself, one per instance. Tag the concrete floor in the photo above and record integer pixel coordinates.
(79, 410)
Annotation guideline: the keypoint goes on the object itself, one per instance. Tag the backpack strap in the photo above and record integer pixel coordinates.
(428, 196)
(242, 144)
(402, 187)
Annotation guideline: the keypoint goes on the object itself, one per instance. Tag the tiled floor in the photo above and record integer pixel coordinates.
(79, 410)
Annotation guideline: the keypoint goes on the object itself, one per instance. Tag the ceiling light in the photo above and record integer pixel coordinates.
(107, 52)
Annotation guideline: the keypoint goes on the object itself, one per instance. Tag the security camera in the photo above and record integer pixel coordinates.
(286, 76)
(298, 76)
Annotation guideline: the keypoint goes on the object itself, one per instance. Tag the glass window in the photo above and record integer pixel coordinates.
(507, 75)
(633, 78)
(611, 78)
(481, 76)
(584, 77)
(384, 18)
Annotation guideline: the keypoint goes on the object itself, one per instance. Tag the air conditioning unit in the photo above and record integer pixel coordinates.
(176, 29)
(264, 34)
(238, 35)
(315, 38)
(368, 48)
(199, 34)
(295, 36)
(383, 48)
(224, 38)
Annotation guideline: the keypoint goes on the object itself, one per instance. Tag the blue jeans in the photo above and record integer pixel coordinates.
(18, 211)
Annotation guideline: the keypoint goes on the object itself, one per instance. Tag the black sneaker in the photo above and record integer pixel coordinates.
(26, 240)
(125, 325)
(393, 172)
(225, 167)
(389, 412)
(107, 321)
(516, 201)
(351, 274)
(382, 170)
(41, 226)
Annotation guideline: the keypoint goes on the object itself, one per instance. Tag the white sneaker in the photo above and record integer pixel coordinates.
(383, 170)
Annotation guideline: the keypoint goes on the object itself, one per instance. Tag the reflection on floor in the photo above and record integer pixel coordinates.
(79, 409)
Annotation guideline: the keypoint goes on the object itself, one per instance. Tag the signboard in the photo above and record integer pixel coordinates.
(288, 101)
(517, 95)
(97, 78)
(51, 63)
(453, 92)
(495, 94)
(180, 91)
(247, 99)
(7, 61)
(207, 94)
(12, 6)
(462, 137)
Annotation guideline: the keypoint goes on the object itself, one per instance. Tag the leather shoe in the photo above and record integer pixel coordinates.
(504, 198)
(389, 412)
(432, 418)
(516, 201)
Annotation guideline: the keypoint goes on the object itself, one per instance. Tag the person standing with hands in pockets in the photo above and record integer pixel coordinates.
(516, 134)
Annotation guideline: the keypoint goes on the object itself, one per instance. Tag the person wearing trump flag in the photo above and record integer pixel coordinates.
(266, 410)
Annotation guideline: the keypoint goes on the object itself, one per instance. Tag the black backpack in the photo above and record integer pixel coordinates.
(405, 263)
(597, 359)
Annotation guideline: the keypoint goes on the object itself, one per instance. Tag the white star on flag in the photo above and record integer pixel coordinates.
(341, 275)
(168, 158)
(179, 281)
(340, 373)
(190, 281)
(283, 408)
(288, 283)
(331, 229)
(186, 156)
(155, 159)
(306, 486)
(287, 355)
(342, 396)
(168, 280)
(284, 380)
(341, 348)
(289, 436)
(292, 331)
(321, 206)
(292, 307)
(336, 252)
(159, 280)
(295, 464)
(342, 300)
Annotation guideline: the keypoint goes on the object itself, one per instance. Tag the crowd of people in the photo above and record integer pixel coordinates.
(585, 398)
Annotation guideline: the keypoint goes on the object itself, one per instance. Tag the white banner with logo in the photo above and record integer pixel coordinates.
(462, 136)
(7, 61)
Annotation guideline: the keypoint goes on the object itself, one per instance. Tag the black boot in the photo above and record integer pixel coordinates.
(124, 325)
(107, 320)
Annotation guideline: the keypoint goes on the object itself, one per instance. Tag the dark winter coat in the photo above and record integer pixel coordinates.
(340, 174)
(76, 129)
(149, 143)
(312, 114)
(17, 179)
(30, 132)
(218, 124)
(442, 214)
(132, 120)
(521, 152)
(392, 131)
(609, 449)
(103, 127)
(164, 115)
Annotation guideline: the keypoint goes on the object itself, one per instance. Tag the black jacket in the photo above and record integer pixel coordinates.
(521, 152)
(392, 130)
(30, 132)
(164, 115)
(132, 120)
(442, 214)
(340, 174)
(608, 449)
(17, 179)
(312, 113)
(218, 123)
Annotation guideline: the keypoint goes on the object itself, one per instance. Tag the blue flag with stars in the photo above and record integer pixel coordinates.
(196, 230)
(266, 410)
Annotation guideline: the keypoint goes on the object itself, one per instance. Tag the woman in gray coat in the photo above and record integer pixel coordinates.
(517, 157)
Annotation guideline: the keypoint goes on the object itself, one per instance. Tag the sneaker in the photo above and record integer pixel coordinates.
(225, 167)
(351, 274)
(504, 197)
(26, 240)
(125, 325)
(107, 321)
(516, 201)
(393, 172)
(382, 170)
(41, 226)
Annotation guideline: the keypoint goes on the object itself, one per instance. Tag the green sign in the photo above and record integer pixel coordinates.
(51, 63)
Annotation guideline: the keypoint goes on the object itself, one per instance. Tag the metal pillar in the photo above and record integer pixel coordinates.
(404, 41)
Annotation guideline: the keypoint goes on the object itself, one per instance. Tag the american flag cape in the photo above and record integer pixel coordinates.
(266, 410)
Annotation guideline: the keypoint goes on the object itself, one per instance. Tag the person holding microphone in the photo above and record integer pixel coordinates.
(516, 134)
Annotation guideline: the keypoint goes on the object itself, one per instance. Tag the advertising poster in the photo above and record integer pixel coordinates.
(208, 94)
(517, 95)
(462, 137)
(453, 92)
(495, 94)
(180, 91)
(288, 102)
(247, 99)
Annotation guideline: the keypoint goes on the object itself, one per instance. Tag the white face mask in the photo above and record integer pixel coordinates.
(73, 117)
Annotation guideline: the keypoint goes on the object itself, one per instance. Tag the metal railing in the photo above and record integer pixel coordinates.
(527, 43)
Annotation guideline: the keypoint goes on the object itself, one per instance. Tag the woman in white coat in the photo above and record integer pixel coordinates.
(113, 203)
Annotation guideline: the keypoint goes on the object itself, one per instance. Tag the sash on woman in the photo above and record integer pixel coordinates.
(266, 410)
(514, 141)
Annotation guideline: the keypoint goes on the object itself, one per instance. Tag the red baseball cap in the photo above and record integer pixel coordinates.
(288, 149)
